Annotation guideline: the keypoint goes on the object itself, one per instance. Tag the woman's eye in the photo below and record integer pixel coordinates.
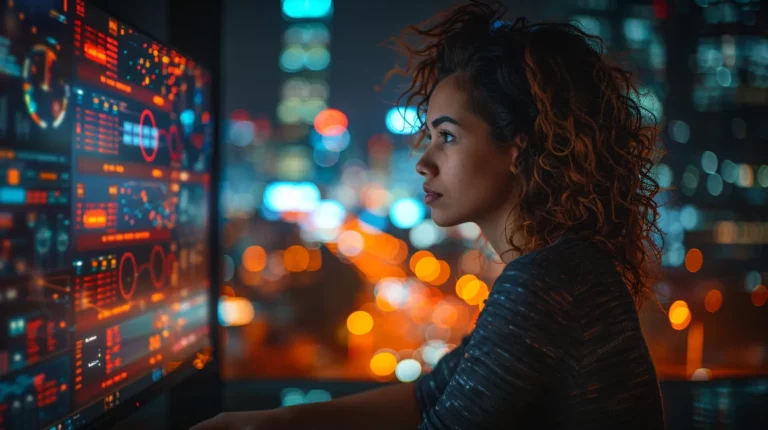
(447, 137)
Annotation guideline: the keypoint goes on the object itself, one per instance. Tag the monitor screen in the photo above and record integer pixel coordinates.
(105, 144)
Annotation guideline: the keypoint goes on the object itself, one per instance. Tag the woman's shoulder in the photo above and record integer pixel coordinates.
(565, 261)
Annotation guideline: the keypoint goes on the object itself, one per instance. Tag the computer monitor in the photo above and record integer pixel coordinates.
(106, 139)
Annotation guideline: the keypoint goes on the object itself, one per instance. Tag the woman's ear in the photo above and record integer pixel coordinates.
(518, 144)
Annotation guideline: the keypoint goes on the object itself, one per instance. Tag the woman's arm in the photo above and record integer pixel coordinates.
(392, 406)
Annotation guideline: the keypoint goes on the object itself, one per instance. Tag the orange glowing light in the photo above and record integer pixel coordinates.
(462, 283)
(95, 54)
(315, 260)
(235, 311)
(296, 259)
(123, 87)
(383, 364)
(713, 300)
(13, 176)
(443, 275)
(679, 315)
(416, 257)
(360, 322)
(158, 100)
(331, 122)
(480, 290)
(445, 315)
(694, 260)
(254, 258)
(402, 252)
(428, 269)
(759, 295)
(95, 218)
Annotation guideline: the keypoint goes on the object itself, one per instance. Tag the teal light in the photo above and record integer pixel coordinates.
(403, 121)
(317, 58)
(303, 9)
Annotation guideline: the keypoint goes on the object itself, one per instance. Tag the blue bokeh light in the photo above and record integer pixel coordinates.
(406, 213)
(334, 143)
(292, 59)
(317, 58)
(303, 9)
(291, 196)
(329, 214)
(403, 120)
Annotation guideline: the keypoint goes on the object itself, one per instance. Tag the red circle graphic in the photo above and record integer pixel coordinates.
(157, 280)
(148, 157)
(127, 295)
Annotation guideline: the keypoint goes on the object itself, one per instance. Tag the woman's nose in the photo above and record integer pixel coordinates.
(425, 167)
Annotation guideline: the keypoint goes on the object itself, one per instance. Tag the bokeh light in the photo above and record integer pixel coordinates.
(427, 269)
(328, 214)
(383, 364)
(254, 258)
(317, 58)
(291, 196)
(713, 300)
(406, 213)
(359, 322)
(760, 295)
(475, 292)
(391, 294)
(416, 257)
(350, 243)
(425, 234)
(235, 311)
(331, 122)
(304, 9)
(408, 370)
(462, 283)
(296, 259)
(403, 120)
(694, 260)
(679, 315)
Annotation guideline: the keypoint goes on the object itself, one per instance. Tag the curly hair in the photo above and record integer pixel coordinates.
(586, 164)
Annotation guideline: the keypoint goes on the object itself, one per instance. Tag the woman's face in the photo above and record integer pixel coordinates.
(467, 177)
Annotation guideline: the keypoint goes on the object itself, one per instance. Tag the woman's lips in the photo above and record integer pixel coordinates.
(430, 198)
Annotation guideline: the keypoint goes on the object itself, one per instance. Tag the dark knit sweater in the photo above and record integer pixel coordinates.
(557, 346)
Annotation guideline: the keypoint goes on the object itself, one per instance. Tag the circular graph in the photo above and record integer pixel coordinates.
(157, 266)
(149, 157)
(127, 275)
(46, 93)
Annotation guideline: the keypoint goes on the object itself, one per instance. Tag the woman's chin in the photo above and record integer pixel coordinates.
(445, 220)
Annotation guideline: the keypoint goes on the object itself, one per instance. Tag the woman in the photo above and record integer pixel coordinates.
(535, 137)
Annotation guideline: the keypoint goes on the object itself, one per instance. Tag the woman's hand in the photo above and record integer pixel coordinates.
(253, 420)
